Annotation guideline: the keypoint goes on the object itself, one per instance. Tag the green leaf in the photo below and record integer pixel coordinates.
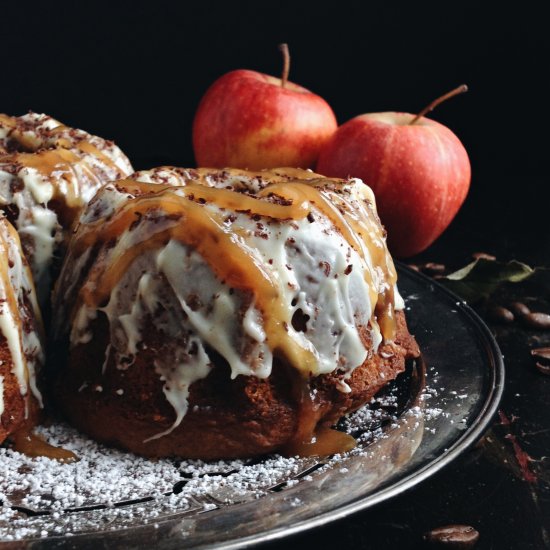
(482, 277)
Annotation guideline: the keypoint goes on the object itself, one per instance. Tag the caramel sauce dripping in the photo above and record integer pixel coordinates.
(362, 232)
(33, 445)
(310, 439)
(60, 164)
(7, 121)
(59, 167)
(24, 441)
(323, 442)
(366, 225)
(328, 206)
(87, 147)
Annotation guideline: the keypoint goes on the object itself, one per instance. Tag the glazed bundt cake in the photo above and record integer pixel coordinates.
(48, 172)
(21, 337)
(224, 313)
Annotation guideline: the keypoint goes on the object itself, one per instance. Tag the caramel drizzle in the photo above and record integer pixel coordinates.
(7, 121)
(226, 252)
(33, 445)
(362, 232)
(222, 249)
(311, 439)
(90, 148)
(59, 163)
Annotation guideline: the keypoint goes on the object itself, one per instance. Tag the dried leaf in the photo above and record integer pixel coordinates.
(482, 277)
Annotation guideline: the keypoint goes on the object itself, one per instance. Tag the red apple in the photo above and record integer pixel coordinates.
(252, 120)
(420, 173)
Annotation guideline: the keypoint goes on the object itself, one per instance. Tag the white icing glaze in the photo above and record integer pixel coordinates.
(34, 353)
(39, 226)
(178, 372)
(215, 320)
(39, 185)
(80, 333)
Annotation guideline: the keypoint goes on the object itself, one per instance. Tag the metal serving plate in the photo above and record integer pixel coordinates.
(439, 407)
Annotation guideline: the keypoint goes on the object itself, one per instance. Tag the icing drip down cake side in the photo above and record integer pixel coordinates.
(225, 313)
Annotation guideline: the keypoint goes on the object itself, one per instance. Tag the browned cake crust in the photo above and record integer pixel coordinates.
(227, 418)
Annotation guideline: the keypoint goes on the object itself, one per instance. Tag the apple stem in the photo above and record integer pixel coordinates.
(460, 90)
(286, 64)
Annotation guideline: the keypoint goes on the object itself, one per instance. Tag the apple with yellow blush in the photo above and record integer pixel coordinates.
(248, 119)
(418, 169)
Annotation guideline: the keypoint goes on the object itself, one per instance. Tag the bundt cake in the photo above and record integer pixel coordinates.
(48, 172)
(21, 337)
(225, 313)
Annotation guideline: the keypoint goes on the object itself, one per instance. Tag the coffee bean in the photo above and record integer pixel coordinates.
(537, 320)
(544, 369)
(452, 536)
(541, 353)
(500, 314)
(519, 309)
(483, 256)
(433, 268)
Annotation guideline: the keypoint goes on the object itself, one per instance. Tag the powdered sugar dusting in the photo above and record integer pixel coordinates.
(111, 490)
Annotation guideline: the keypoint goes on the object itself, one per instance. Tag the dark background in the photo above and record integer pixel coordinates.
(135, 72)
